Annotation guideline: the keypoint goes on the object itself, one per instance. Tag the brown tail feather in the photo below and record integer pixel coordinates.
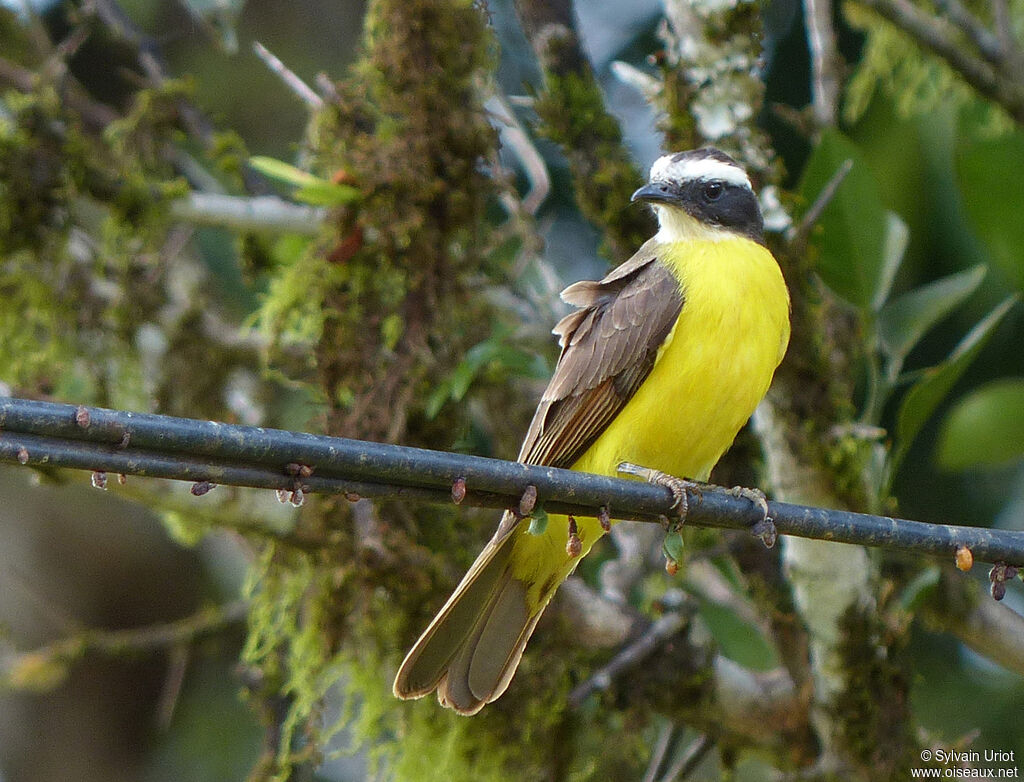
(471, 649)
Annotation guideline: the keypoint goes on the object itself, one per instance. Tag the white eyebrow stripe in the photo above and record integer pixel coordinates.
(666, 169)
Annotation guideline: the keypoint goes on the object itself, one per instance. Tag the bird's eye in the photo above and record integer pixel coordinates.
(712, 191)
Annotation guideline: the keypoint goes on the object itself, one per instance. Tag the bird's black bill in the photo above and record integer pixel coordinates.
(658, 192)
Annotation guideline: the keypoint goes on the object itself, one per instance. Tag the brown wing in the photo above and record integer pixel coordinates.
(608, 347)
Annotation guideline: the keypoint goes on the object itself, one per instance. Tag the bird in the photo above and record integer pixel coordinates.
(662, 362)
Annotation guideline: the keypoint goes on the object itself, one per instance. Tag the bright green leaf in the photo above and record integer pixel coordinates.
(461, 378)
(436, 401)
(853, 225)
(324, 193)
(538, 521)
(988, 170)
(985, 428)
(927, 394)
(310, 189)
(903, 321)
(492, 352)
(278, 170)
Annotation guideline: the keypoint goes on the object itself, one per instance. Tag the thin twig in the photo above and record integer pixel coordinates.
(19, 669)
(689, 760)
(54, 435)
(515, 138)
(290, 79)
(987, 43)
(798, 234)
(658, 751)
(1007, 39)
(120, 24)
(826, 84)
(257, 213)
(661, 630)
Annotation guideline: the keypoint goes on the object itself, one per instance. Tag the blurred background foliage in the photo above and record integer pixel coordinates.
(107, 300)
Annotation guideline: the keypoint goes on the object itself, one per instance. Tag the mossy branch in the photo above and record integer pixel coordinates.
(572, 114)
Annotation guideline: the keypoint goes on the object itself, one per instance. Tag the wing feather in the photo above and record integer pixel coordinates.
(608, 348)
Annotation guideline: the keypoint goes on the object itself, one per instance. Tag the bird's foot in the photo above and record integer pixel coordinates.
(678, 486)
(764, 528)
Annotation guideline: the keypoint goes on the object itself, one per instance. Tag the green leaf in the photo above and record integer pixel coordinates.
(894, 247)
(279, 171)
(927, 394)
(673, 547)
(920, 588)
(985, 428)
(310, 189)
(538, 521)
(324, 193)
(493, 353)
(903, 321)
(853, 225)
(737, 639)
(988, 171)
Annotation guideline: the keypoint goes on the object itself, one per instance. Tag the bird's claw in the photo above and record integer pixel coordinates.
(764, 528)
(678, 486)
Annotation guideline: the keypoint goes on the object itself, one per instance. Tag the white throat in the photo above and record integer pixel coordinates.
(676, 225)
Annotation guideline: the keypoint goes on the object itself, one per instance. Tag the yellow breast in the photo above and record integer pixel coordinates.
(710, 373)
(712, 370)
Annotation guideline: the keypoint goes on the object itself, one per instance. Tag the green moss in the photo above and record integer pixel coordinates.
(229, 154)
(82, 221)
(383, 308)
(873, 710)
(572, 114)
(676, 121)
(409, 131)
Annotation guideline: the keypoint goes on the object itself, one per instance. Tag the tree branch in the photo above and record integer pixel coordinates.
(663, 628)
(988, 628)
(254, 213)
(45, 667)
(826, 64)
(935, 35)
(47, 434)
(988, 44)
(573, 114)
